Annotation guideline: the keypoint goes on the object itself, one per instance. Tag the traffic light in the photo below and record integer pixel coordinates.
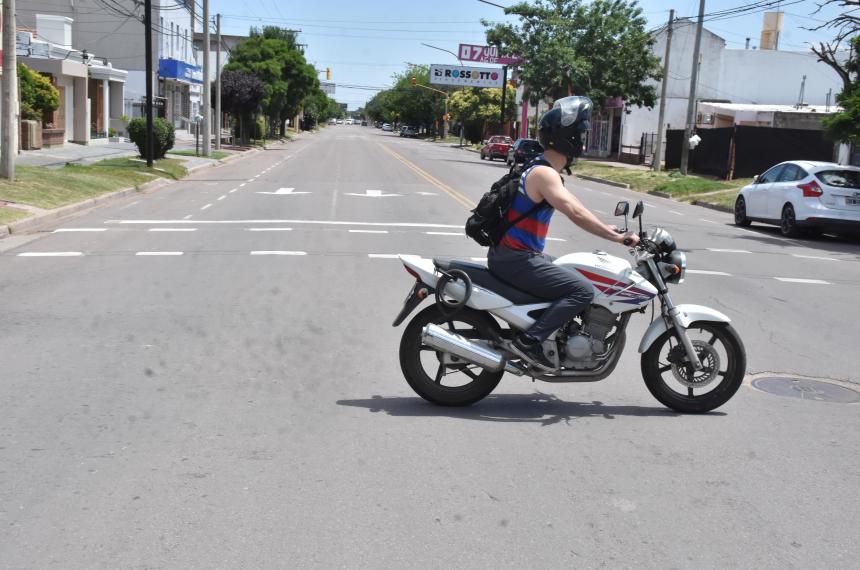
(414, 81)
(328, 74)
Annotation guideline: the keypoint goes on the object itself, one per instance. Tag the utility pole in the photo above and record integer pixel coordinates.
(661, 126)
(9, 128)
(691, 103)
(147, 26)
(218, 83)
(504, 92)
(207, 112)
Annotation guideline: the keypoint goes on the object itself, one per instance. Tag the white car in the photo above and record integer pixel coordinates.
(803, 196)
(387, 127)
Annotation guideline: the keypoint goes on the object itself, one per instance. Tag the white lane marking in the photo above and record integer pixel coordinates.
(188, 217)
(173, 229)
(458, 234)
(248, 180)
(233, 190)
(368, 231)
(728, 250)
(323, 222)
(242, 184)
(555, 239)
(807, 281)
(478, 258)
(51, 254)
(584, 188)
(649, 205)
(427, 194)
(279, 253)
(373, 194)
(150, 253)
(284, 192)
(676, 213)
(599, 211)
(385, 255)
(602, 192)
(709, 221)
(814, 257)
(206, 207)
(221, 197)
(703, 272)
(65, 230)
(269, 229)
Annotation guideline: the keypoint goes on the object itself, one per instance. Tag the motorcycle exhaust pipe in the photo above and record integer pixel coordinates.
(445, 341)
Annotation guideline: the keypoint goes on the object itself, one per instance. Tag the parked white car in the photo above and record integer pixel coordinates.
(803, 196)
(386, 127)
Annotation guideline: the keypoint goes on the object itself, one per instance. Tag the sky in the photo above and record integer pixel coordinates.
(364, 43)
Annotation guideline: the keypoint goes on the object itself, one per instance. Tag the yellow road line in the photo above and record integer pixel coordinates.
(458, 196)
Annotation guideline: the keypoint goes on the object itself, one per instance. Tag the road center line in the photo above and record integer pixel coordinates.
(814, 257)
(464, 200)
(807, 281)
(51, 254)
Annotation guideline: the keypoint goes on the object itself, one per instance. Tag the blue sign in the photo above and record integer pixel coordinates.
(180, 71)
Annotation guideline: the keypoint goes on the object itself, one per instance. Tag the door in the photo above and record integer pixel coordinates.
(757, 196)
(783, 188)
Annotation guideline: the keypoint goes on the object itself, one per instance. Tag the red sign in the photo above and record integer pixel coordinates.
(486, 54)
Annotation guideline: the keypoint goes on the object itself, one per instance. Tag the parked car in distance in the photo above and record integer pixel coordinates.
(408, 131)
(387, 127)
(802, 196)
(496, 147)
(332, 121)
(523, 151)
(340, 121)
(364, 123)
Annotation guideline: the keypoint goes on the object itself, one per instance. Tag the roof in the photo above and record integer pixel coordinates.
(756, 108)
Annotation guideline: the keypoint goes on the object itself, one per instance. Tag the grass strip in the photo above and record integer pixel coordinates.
(8, 215)
(672, 183)
(215, 154)
(51, 188)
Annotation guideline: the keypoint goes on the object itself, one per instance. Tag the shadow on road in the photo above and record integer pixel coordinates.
(539, 408)
(770, 235)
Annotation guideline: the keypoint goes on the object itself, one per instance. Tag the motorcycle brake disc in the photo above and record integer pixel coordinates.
(685, 374)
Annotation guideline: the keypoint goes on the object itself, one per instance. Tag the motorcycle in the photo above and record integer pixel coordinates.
(455, 352)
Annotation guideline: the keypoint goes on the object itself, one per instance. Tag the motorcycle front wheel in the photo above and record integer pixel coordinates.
(432, 374)
(678, 386)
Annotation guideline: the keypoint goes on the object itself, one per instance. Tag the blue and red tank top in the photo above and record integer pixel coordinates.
(529, 234)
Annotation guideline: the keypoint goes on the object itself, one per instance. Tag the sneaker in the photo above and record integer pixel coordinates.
(531, 351)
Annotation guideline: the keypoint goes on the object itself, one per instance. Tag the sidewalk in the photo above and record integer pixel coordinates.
(71, 152)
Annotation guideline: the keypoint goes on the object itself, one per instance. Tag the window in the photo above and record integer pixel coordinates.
(792, 173)
(771, 175)
(840, 178)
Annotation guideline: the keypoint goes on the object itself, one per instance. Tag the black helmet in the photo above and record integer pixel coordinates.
(562, 126)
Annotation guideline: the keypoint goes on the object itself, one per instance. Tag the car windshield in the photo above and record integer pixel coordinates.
(840, 178)
(530, 145)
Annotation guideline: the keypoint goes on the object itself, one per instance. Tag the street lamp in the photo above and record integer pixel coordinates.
(446, 94)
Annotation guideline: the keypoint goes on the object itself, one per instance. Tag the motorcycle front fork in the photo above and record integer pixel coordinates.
(673, 316)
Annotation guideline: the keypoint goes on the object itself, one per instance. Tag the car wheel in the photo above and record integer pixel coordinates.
(741, 218)
(483, 157)
(788, 222)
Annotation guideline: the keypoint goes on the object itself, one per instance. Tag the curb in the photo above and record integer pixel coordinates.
(712, 206)
(603, 181)
(662, 195)
(40, 220)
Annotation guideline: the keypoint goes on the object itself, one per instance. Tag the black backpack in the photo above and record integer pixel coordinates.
(488, 222)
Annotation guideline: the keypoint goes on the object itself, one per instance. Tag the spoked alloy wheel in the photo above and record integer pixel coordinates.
(741, 218)
(788, 222)
(436, 376)
(678, 386)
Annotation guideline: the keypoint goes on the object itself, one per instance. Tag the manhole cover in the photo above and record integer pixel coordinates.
(806, 389)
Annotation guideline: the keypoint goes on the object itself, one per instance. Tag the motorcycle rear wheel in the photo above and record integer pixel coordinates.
(727, 377)
(432, 386)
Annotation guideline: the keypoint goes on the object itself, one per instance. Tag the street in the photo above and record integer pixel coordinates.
(207, 377)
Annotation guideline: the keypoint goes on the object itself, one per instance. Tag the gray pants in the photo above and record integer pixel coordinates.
(535, 273)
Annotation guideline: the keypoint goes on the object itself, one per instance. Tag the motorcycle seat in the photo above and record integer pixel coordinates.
(481, 276)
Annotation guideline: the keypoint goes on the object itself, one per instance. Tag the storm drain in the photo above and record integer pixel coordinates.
(807, 389)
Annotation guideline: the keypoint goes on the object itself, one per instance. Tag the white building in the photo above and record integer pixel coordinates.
(740, 76)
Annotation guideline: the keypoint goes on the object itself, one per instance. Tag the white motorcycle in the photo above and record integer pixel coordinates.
(455, 352)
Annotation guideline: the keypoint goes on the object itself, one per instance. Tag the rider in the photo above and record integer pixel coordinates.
(519, 260)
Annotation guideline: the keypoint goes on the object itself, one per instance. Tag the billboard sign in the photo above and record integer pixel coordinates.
(465, 76)
(486, 54)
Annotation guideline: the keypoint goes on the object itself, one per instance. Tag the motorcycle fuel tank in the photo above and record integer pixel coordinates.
(617, 286)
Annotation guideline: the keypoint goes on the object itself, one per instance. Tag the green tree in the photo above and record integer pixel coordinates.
(241, 95)
(598, 48)
(478, 108)
(408, 104)
(844, 126)
(274, 57)
(38, 95)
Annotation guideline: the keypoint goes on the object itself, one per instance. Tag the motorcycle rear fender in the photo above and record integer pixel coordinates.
(689, 314)
(481, 299)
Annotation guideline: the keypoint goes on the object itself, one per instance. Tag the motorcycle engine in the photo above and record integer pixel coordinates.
(588, 340)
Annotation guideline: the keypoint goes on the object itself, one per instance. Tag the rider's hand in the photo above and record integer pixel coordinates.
(629, 239)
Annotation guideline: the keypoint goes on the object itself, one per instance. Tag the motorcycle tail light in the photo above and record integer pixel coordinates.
(811, 189)
(411, 272)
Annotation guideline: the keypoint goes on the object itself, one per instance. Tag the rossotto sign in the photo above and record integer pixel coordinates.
(465, 76)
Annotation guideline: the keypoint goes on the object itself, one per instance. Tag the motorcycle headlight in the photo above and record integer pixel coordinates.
(663, 240)
(679, 260)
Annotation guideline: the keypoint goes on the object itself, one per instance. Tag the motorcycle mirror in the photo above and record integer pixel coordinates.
(637, 211)
(622, 208)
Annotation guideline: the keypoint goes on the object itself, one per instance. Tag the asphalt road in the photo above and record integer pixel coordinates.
(206, 377)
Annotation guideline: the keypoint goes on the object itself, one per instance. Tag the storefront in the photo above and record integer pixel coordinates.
(180, 84)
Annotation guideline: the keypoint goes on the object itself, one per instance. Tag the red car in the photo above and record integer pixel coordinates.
(496, 147)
